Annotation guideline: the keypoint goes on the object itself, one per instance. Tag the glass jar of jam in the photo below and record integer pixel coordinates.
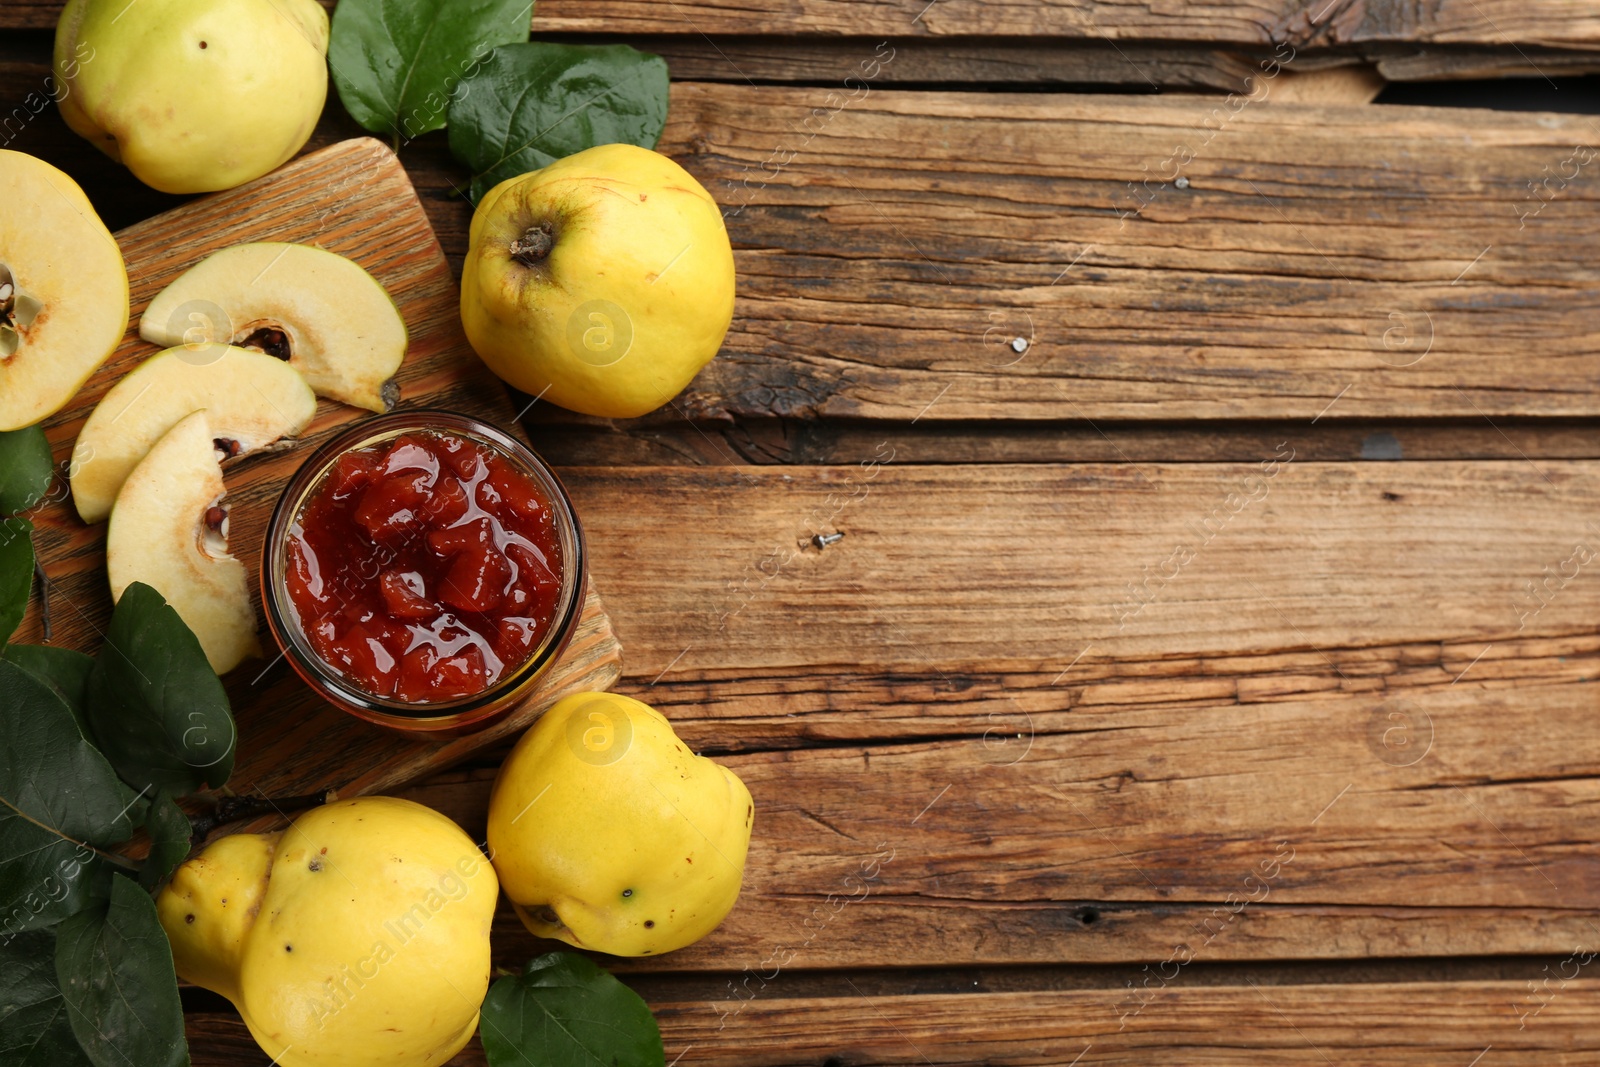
(422, 571)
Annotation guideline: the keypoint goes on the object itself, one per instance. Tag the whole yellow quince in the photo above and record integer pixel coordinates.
(357, 937)
(193, 95)
(603, 282)
(609, 834)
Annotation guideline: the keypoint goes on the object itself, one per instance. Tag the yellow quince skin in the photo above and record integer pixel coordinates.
(358, 937)
(609, 834)
(602, 283)
(193, 96)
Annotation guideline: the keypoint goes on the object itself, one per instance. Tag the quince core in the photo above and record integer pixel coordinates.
(328, 317)
(251, 401)
(169, 530)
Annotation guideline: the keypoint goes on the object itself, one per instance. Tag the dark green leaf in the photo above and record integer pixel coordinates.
(528, 105)
(25, 468)
(169, 841)
(16, 574)
(157, 709)
(566, 1012)
(34, 1031)
(114, 965)
(396, 62)
(59, 801)
(65, 671)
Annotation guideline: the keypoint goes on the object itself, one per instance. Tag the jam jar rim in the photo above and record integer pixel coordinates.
(283, 617)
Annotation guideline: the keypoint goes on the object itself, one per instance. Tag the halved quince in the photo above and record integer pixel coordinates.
(329, 318)
(251, 400)
(63, 290)
(169, 530)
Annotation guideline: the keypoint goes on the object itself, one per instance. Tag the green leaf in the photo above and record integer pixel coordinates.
(156, 708)
(114, 965)
(528, 105)
(170, 834)
(16, 574)
(62, 669)
(25, 468)
(396, 62)
(60, 801)
(34, 1029)
(566, 1012)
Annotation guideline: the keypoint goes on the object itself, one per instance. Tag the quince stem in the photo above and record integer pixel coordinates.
(232, 809)
(533, 246)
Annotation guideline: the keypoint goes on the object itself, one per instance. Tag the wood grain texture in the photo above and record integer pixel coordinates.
(571, 441)
(1373, 1024)
(948, 62)
(1555, 23)
(946, 568)
(1400, 277)
(1347, 667)
(1432, 64)
(730, 711)
(931, 61)
(354, 199)
(1445, 821)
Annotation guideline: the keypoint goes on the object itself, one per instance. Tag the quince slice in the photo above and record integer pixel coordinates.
(63, 290)
(251, 400)
(169, 530)
(329, 318)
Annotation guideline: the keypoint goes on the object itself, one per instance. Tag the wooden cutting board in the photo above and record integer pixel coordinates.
(353, 198)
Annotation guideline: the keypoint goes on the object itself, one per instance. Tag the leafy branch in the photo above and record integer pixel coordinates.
(93, 749)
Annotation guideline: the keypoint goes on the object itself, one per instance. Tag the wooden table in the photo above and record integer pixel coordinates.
(1203, 672)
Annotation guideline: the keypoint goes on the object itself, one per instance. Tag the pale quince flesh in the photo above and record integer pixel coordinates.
(252, 401)
(332, 321)
(63, 290)
(169, 531)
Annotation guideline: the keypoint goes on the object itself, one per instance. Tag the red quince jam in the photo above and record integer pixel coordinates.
(425, 568)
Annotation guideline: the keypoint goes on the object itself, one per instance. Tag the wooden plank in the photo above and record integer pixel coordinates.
(1136, 65)
(1026, 565)
(1378, 1024)
(1287, 273)
(1434, 64)
(1488, 22)
(572, 440)
(741, 710)
(946, 63)
(353, 198)
(1387, 824)
(1493, 22)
